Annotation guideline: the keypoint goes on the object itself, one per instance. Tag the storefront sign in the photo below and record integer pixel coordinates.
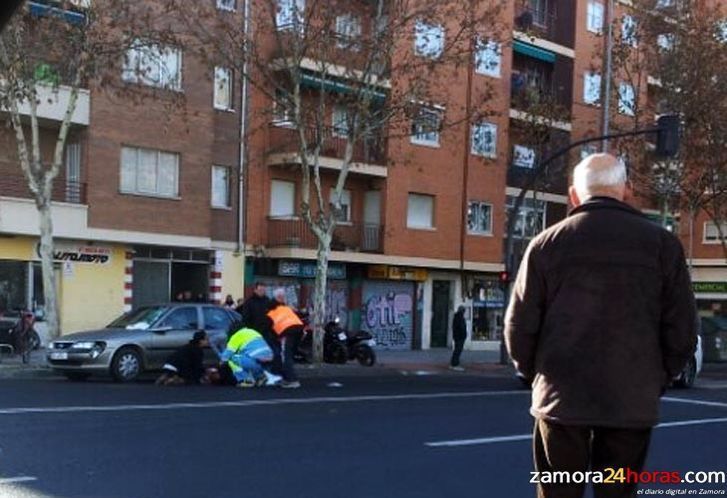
(307, 269)
(388, 313)
(386, 272)
(710, 287)
(489, 295)
(79, 254)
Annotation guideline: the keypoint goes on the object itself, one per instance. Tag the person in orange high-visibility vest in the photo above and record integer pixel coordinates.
(289, 329)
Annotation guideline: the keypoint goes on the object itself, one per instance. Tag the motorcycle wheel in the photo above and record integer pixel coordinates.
(366, 356)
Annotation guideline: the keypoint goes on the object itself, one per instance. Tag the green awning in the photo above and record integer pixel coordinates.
(310, 80)
(533, 51)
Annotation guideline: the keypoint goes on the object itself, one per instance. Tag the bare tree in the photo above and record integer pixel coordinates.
(52, 47)
(681, 53)
(379, 65)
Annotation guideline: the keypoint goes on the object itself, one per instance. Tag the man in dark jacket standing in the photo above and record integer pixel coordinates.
(254, 312)
(601, 319)
(459, 335)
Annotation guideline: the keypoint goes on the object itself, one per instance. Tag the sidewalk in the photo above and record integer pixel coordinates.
(13, 367)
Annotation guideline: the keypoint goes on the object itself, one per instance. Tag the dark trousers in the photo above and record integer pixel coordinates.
(276, 366)
(458, 347)
(289, 344)
(579, 449)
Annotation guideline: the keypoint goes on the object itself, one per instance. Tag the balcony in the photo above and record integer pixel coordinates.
(549, 20)
(369, 155)
(63, 191)
(355, 237)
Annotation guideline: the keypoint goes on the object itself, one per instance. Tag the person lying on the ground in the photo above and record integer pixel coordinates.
(247, 355)
(185, 365)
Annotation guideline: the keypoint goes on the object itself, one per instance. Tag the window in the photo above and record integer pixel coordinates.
(282, 199)
(711, 234)
(226, 5)
(539, 10)
(153, 65)
(182, 319)
(216, 319)
(149, 172)
(479, 218)
(420, 211)
(348, 31)
(721, 31)
(665, 41)
(488, 58)
(484, 139)
(283, 113)
(344, 214)
(595, 17)
(628, 30)
(587, 150)
(626, 99)
(531, 217)
(289, 14)
(425, 126)
(340, 121)
(428, 40)
(662, 4)
(220, 186)
(591, 88)
(223, 88)
(523, 157)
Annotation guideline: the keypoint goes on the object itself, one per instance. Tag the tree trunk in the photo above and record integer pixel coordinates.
(692, 215)
(46, 258)
(319, 296)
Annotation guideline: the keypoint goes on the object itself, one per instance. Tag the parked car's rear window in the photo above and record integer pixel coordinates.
(141, 318)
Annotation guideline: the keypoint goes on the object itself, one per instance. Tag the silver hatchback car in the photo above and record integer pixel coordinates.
(140, 340)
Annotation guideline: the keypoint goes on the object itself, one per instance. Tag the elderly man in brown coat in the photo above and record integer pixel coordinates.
(601, 319)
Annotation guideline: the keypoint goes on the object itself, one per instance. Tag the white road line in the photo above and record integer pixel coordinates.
(16, 480)
(528, 437)
(695, 402)
(256, 402)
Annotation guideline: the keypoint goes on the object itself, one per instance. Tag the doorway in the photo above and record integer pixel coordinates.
(440, 313)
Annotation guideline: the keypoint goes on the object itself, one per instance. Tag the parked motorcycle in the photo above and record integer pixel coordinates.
(18, 334)
(339, 345)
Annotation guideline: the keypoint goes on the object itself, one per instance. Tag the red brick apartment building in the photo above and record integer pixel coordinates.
(164, 203)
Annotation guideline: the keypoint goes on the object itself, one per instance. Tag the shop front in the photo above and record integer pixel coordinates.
(487, 313)
(90, 281)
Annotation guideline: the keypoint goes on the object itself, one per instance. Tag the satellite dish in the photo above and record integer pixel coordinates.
(525, 20)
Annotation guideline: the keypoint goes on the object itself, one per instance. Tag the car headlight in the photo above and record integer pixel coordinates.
(96, 348)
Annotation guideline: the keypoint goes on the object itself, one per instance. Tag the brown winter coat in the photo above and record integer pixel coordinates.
(602, 316)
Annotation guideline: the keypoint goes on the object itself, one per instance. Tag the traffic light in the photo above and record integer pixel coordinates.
(504, 278)
(667, 137)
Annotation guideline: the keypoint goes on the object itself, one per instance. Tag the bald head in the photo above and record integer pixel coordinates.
(598, 175)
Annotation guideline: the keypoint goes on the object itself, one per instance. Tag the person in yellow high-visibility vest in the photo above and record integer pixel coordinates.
(246, 353)
(289, 329)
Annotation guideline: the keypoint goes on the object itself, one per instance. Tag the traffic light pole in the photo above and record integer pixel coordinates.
(667, 145)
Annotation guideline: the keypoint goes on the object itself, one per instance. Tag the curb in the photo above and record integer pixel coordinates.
(25, 372)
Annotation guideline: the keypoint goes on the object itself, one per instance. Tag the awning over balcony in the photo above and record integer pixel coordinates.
(311, 80)
(533, 51)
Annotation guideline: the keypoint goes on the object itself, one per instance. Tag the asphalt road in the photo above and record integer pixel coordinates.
(394, 436)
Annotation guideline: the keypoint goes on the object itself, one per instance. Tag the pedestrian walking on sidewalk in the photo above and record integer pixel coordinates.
(601, 319)
(289, 328)
(459, 336)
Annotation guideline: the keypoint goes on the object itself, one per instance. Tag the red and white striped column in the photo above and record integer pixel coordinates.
(128, 281)
(215, 288)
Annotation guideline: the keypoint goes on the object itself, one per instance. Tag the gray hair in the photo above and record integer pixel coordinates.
(598, 172)
(279, 292)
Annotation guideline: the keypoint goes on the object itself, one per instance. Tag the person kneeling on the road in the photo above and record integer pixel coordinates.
(185, 365)
(246, 352)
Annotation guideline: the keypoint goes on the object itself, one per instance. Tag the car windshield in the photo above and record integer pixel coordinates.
(140, 319)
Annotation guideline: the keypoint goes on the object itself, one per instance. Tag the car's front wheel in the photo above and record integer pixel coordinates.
(126, 365)
(688, 376)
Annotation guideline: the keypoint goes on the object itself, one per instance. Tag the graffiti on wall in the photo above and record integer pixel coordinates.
(336, 300)
(388, 313)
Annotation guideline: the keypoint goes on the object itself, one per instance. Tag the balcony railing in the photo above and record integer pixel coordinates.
(539, 21)
(368, 150)
(63, 191)
(295, 233)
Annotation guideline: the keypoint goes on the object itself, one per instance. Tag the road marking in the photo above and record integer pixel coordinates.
(528, 437)
(695, 402)
(257, 402)
(16, 480)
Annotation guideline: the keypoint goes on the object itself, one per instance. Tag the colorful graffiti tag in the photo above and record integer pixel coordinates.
(388, 313)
